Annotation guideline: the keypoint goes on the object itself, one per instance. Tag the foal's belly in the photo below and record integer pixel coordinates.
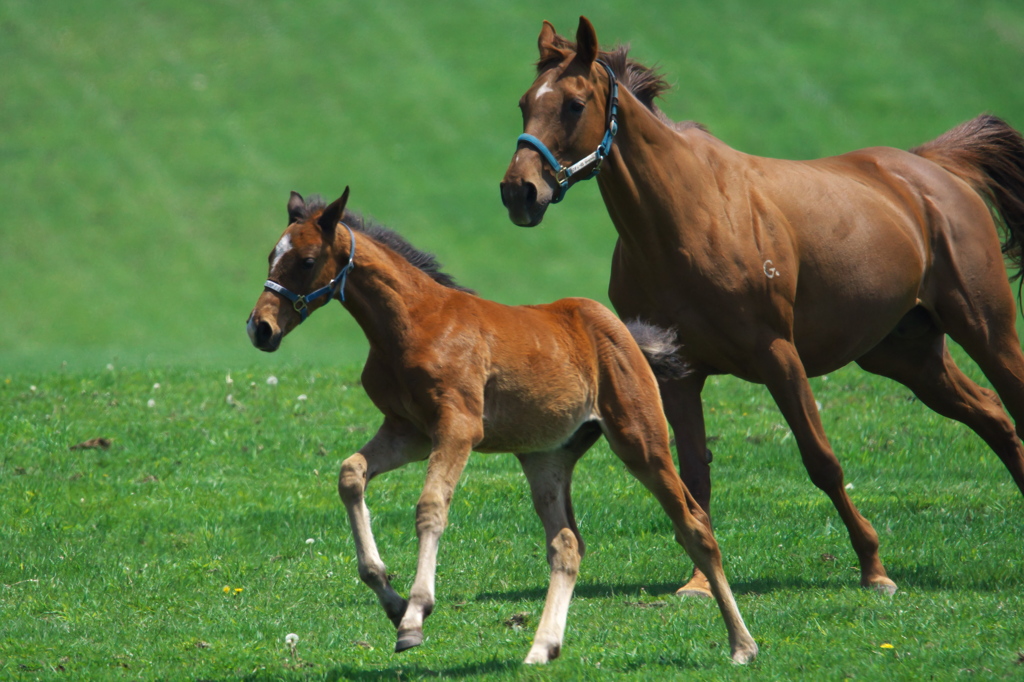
(532, 423)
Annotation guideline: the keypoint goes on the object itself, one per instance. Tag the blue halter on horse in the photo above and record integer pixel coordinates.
(563, 173)
(336, 289)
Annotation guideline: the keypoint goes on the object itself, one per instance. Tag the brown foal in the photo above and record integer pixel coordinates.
(453, 373)
(775, 270)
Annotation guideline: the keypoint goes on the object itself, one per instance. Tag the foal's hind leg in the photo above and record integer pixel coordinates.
(550, 478)
(639, 436)
(389, 449)
(921, 362)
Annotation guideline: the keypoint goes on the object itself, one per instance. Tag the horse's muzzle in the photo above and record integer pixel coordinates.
(520, 197)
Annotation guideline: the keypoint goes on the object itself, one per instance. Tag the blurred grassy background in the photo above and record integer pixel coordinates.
(147, 148)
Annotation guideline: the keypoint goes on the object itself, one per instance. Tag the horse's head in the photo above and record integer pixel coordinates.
(307, 269)
(568, 113)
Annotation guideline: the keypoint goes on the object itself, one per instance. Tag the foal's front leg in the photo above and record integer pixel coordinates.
(447, 461)
(389, 449)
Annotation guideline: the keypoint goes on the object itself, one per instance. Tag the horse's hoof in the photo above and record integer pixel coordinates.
(407, 639)
(882, 586)
(698, 586)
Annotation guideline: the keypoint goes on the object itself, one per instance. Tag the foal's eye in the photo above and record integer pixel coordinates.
(576, 106)
(309, 263)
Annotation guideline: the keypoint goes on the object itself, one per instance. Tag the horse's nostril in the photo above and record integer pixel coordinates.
(530, 193)
(263, 333)
(504, 199)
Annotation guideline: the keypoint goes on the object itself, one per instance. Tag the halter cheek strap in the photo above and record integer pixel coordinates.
(336, 289)
(563, 173)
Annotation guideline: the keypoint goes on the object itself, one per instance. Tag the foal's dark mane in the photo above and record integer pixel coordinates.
(643, 82)
(388, 238)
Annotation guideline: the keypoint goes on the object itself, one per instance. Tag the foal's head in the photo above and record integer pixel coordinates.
(308, 259)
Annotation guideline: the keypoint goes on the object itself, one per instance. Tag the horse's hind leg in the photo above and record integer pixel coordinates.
(639, 436)
(916, 355)
(389, 449)
(550, 478)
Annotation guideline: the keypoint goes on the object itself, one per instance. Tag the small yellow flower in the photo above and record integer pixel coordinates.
(238, 589)
(886, 645)
(227, 589)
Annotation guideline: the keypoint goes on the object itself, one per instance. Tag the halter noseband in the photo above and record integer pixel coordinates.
(336, 289)
(563, 173)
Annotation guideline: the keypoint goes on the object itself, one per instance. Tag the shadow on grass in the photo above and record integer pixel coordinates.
(394, 672)
(632, 590)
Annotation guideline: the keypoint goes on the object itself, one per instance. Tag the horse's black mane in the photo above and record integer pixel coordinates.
(385, 236)
(643, 82)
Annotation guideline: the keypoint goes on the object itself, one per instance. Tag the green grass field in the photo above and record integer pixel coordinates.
(146, 154)
(183, 551)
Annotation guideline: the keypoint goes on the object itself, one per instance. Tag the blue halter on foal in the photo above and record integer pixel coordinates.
(563, 173)
(336, 289)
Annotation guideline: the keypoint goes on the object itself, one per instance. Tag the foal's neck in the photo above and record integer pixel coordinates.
(385, 293)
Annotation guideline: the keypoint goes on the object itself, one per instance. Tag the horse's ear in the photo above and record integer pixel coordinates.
(586, 42)
(546, 44)
(331, 216)
(296, 204)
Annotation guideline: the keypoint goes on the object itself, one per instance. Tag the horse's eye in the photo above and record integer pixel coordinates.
(576, 106)
(309, 263)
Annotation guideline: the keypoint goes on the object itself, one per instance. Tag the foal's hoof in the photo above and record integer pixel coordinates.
(882, 586)
(542, 654)
(744, 653)
(407, 639)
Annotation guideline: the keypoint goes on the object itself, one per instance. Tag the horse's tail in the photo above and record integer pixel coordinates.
(989, 154)
(660, 348)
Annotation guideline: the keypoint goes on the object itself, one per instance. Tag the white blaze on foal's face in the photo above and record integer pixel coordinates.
(283, 247)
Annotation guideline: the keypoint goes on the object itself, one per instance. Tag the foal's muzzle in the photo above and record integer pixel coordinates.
(263, 335)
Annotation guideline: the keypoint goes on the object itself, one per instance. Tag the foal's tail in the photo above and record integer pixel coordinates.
(989, 154)
(660, 348)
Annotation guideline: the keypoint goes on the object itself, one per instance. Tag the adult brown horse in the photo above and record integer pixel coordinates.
(776, 270)
(452, 373)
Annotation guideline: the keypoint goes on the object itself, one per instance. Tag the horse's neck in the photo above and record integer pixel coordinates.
(384, 293)
(659, 184)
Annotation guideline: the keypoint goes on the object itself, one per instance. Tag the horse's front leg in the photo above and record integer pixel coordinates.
(389, 449)
(784, 375)
(685, 412)
(447, 461)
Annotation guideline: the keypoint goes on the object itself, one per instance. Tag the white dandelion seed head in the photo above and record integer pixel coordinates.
(271, 380)
(156, 386)
(151, 403)
(291, 639)
(310, 541)
(302, 397)
(228, 380)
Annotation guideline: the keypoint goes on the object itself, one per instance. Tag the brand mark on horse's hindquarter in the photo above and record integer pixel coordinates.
(769, 270)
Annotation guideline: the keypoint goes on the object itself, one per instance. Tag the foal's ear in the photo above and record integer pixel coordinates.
(331, 216)
(296, 204)
(586, 42)
(546, 44)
